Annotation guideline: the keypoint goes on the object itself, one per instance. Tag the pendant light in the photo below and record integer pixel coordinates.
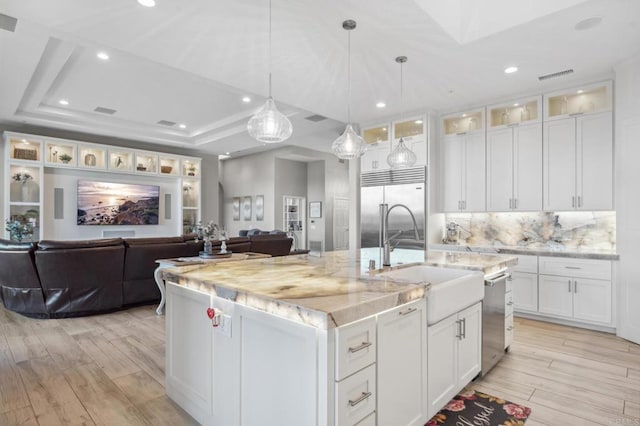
(269, 125)
(349, 144)
(401, 156)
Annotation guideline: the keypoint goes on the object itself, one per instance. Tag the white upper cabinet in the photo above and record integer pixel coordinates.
(378, 139)
(514, 113)
(413, 131)
(588, 99)
(578, 163)
(463, 122)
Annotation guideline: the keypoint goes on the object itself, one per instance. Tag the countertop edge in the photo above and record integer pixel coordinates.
(524, 251)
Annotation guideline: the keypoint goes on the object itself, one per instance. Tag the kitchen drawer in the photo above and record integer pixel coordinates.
(508, 331)
(579, 268)
(526, 263)
(356, 397)
(370, 420)
(355, 347)
(508, 303)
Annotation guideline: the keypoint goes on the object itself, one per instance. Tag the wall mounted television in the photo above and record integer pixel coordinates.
(106, 203)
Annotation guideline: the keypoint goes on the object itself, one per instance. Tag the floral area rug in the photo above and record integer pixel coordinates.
(471, 408)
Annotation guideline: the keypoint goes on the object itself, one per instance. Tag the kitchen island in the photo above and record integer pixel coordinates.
(296, 340)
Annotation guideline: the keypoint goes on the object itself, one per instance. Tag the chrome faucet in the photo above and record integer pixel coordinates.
(384, 228)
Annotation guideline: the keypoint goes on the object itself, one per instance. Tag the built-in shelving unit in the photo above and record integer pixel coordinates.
(294, 210)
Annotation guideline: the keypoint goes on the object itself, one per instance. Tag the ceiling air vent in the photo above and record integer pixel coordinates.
(555, 74)
(315, 118)
(8, 23)
(103, 110)
(167, 123)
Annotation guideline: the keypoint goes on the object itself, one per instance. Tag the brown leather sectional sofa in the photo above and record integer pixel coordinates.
(59, 279)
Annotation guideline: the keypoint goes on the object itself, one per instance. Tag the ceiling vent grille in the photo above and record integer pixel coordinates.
(8, 23)
(556, 74)
(315, 118)
(167, 123)
(103, 110)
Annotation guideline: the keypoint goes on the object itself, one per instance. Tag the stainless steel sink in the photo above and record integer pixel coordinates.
(451, 289)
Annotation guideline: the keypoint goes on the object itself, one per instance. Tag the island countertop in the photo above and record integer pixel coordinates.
(324, 292)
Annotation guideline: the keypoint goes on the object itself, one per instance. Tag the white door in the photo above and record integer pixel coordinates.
(500, 170)
(559, 165)
(401, 365)
(527, 167)
(340, 223)
(595, 162)
(470, 346)
(592, 300)
(555, 295)
(525, 291)
(452, 164)
(474, 173)
(442, 359)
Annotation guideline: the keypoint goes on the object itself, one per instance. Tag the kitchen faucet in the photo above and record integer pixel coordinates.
(384, 227)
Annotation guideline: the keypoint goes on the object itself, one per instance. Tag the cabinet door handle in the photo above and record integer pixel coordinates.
(510, 328)
(515, 203)
(510, 203)
(464, 328)
(362, 397)
(579, 201)
(464, 204)
(575, 286)
(461, 133)
(364, 345)
(575, 113)
(459, 329)
(509, 303)
(572, 267)
(573, 201)
(569, 286)
(408, 311)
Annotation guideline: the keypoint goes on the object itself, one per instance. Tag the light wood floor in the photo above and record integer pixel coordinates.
(109, 369)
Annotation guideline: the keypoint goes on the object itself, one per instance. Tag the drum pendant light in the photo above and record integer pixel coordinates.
(269, 125)
(401, 156)
(349, 144)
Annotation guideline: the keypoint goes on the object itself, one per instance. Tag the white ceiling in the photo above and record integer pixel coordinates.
(192, 62)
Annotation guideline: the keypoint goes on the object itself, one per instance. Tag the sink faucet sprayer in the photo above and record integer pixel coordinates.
(384, 227)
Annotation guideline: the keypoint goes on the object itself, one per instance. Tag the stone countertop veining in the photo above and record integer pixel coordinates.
(487, 263)
(577, 253)
(324, 292)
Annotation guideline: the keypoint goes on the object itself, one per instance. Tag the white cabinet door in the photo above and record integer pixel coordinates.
(559, 165)
(525, 291)
(595, 162)
(474, 173)
(442, 361)
(555, 295)
(402, 365)
(527, 167)
(470, 346)
(592, 300)
(500, 170)
(452, 168)
(375, 158)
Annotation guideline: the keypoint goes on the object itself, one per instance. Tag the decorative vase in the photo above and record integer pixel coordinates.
(223, 247)
(208, 246)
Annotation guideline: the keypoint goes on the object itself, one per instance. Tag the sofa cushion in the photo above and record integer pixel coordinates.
(275, 245)
(8, 245)
(20, 288)
(154, 240)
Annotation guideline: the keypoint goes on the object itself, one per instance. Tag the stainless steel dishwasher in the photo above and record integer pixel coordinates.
(493, 319)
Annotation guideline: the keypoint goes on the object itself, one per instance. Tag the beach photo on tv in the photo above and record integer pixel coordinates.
(107, 203)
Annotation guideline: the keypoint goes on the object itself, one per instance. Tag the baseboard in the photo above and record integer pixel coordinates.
(568, 323)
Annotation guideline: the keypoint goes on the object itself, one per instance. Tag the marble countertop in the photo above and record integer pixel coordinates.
(487, 263)
(323, 292)
(578, 253)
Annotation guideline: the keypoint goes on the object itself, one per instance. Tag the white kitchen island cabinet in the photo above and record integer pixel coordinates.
(273, 361)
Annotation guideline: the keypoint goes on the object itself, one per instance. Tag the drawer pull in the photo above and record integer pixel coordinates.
(364, 396)
(408, 311)
(572, 267)
(364, 345)
(510, 328)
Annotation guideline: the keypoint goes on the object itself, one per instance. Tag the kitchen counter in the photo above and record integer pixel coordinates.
(487, 263)
(324, 292)
(576, 253)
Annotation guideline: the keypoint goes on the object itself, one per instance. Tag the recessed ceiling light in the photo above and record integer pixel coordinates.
(580, 91)
(147, 3)
(63, 102)
(103, 55)
(516, 104)
(418, 121)
(464, 115)
(510, 70)
(182, 126)
(246, 99)
(226, 153)
(588, 23)
(381, 105)
(384, 129)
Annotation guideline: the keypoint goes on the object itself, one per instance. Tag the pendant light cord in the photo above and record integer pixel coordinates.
(401, 93)
(269, 48)
(349, 77)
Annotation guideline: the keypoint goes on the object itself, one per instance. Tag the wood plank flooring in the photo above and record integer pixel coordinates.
(109, 370)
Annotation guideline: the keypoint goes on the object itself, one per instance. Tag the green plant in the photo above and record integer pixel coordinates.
(18, 230)
(65, 158)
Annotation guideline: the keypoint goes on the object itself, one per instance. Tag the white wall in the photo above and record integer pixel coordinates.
(291, 180)
(336, 185)
(315, 192)
(627, 153)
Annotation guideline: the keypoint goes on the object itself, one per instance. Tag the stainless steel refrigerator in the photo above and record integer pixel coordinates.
(400, 190)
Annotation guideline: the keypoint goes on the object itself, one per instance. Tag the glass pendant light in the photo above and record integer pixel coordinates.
(401, 156)
(349, 144)
(269, 125)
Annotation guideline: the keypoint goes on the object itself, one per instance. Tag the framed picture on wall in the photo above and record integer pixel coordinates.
(259, 207)
(246, 208)
(315, 209)
(236, 208)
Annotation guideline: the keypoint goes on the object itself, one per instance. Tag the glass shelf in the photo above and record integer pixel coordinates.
(464, 122)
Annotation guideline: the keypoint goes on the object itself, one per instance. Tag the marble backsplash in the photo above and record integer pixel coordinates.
(552, 230)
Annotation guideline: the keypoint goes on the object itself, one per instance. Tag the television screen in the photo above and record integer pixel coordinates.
(104, 203)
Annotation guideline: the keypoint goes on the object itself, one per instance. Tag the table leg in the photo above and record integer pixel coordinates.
(161, 286)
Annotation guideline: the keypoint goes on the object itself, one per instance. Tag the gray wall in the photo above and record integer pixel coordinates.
(336, 185)
(290, 179)
(316, 192)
